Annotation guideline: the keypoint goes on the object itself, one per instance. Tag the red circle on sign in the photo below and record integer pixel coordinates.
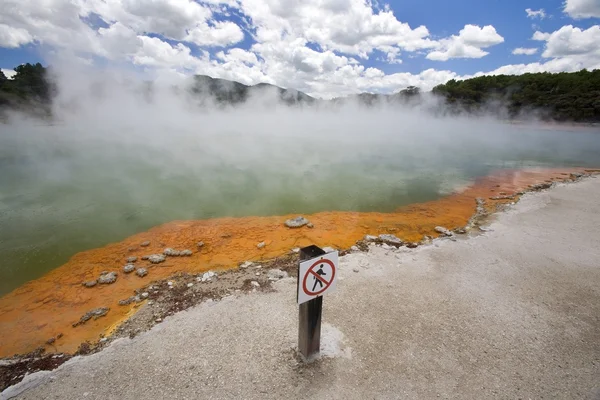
(310, 272)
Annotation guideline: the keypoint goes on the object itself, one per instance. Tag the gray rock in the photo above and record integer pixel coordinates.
(460, 231)
(255, 284)
(89, 284)
(297, 222)
(145, 295)
(310, 225)
(131, 259)
(171, 252)
(128, 268)
(412, 245)
(132, 299)
(354, 248)
(246, 264)
(145, 244)
(110, 277)
(156, 258)
(443, 231)
(200, 244)
(95, 313)
(261, 245)
(276, 273)
(141, 272)
(370, 238)
(185, 253)
(391, 239)
(206, 277)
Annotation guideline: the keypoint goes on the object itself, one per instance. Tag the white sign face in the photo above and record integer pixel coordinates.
(317, 276)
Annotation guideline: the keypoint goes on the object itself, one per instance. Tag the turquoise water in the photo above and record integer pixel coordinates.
(64, 189)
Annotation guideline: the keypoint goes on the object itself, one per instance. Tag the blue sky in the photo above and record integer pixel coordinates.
(325, 47)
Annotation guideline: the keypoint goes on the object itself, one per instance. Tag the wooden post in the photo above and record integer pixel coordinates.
(309, 315)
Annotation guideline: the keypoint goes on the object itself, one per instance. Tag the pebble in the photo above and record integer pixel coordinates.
(128, 268)
(257, 274)
(145, 295)
(443, 231)
(150, 302)
(171, 252)
(276, 273)
(131, 259)
(255, 284)
(170, 283)
(141, 272)
(297, 222)
(246, 264)
(370, 238)
(391, 239)
(158, 320)
(103, 340)
(310, 225)
(185, 253)
(190, 284)
(156, 258)
(200, 244)
(90, 284)
(296, 249)
(145, 244)
(110, 277)
(261, 245)
(354, 248)
(207, 276)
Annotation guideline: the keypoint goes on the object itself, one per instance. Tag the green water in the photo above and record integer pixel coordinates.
(63, 191)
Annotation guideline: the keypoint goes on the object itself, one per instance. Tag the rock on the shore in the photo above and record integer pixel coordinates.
(261, 245)
(132, 299)
(460, 231)
(246, 264)
(171, 252)
(391, 239)
(297, 222)
(255, 284)
(90, 284)
(207, 276)
(131, 259)
(370, 238)
(141, 272)
(145, 244)
(128, 268)
(275, 274)
(95, 313)
(185, 253)
(200, 244)
(110, 277)
(156, 258)
(443, 231)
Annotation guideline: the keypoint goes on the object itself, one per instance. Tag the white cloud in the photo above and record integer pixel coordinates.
(9, 73)
(569, 41)
(533, 14)
(524, 51)
(582, 8)
(13, 37)
(468, 44)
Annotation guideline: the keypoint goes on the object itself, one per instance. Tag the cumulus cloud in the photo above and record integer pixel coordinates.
(524, 51)
(467, 44)
(582, 8)
(533, 14)
(316, 46)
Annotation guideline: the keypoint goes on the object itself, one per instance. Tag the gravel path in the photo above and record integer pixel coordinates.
(513, 313)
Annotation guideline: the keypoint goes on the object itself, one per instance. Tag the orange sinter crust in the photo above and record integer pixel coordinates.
(48, 306)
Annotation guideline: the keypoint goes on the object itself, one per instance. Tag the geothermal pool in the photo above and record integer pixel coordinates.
(71, 187)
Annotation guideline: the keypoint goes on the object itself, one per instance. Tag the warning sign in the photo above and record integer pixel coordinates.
(317, 276)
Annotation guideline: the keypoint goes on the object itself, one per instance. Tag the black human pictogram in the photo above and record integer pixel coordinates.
(317, 280)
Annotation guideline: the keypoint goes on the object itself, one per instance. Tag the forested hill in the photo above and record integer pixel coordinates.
(561, 97)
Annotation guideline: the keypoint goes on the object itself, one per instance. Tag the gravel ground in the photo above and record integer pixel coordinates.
(513, 313)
